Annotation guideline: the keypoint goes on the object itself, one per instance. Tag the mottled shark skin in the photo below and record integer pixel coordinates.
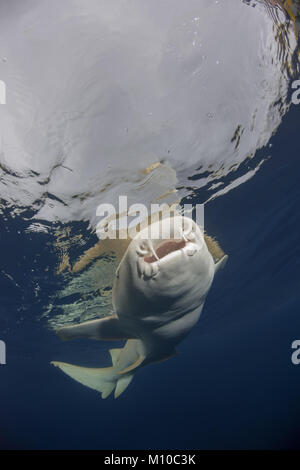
(159, 291)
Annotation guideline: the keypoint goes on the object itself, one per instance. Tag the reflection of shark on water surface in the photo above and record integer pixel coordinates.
(158, 295)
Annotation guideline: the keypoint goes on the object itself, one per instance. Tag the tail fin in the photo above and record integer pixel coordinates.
(103, 380)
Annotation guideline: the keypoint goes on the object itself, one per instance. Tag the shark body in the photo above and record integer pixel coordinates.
(158, 294)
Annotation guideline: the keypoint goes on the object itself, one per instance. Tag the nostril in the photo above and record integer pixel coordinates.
(191, 236)
(187, 231)
(142, 249)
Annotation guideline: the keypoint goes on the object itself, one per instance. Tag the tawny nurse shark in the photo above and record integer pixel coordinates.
(158, 294)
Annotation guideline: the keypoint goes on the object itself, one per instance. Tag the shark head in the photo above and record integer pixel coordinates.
(167, 269)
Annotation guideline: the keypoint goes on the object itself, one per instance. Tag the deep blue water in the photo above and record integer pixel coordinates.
(233, 385)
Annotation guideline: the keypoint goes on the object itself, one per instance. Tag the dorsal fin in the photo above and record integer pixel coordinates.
(114, 354)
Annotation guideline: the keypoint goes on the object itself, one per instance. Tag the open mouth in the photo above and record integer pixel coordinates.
(164, 249)
(149, 258)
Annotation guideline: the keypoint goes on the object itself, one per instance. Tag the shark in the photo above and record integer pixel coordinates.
(158, 294)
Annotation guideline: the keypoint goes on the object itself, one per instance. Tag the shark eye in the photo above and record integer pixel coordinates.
(118, 274)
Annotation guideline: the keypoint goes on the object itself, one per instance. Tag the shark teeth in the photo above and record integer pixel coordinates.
(147, 270)
(155, 269)
(140, 266)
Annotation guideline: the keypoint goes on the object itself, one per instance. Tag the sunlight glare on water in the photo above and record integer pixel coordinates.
(99, 91)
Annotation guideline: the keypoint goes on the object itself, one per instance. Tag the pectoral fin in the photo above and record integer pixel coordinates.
(107, 328)
(102, 380)
(220, 264)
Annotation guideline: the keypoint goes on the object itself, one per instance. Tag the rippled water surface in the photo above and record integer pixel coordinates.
(159, 101)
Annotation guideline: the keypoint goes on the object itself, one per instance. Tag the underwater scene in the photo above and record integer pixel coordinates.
(149, 211)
